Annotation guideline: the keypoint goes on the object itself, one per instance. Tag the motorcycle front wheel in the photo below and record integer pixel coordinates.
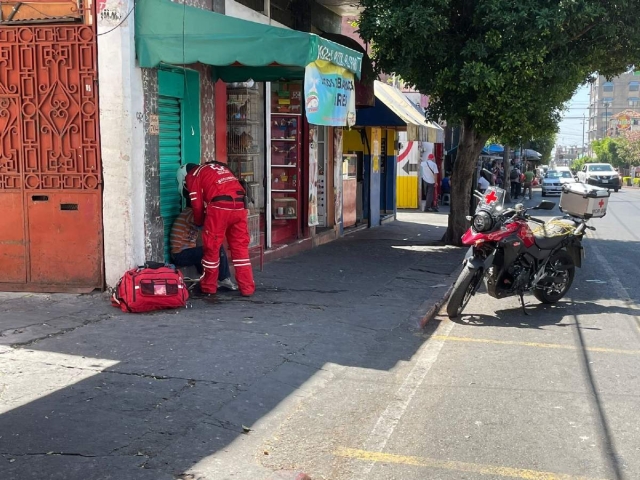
(463, 290)
(561, 267)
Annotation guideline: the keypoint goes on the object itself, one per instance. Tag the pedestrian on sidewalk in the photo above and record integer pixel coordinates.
(514, 176)
(218, 202)
(528, 181)
(428, 173)
(483, 184)
(445, 186)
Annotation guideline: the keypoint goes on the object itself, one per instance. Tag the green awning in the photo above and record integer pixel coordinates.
(171, 33)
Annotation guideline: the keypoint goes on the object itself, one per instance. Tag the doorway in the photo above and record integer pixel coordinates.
(51, 236)
(179, 138)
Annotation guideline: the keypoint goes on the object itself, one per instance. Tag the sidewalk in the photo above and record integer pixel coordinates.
(87, 392)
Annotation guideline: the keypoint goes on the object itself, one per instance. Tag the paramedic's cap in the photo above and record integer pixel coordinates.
(181, 175)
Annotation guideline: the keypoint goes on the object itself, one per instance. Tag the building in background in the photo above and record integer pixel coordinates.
(608, 98)
(565, 155)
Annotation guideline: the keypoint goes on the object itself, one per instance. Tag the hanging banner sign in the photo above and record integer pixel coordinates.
(329, 95)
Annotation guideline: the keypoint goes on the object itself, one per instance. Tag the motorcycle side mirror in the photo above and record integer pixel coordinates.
(545, 205)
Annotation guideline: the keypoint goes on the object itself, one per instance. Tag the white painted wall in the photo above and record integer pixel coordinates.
(122, 142)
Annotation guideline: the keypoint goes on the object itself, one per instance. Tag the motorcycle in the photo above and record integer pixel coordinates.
(513, 253)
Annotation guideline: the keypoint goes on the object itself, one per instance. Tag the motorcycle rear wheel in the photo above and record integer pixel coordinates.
(463, 290)
(555, 292)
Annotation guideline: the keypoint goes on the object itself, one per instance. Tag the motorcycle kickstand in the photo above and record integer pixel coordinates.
(524, 307)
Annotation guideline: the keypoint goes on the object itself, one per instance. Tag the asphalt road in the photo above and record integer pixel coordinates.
(554, 395)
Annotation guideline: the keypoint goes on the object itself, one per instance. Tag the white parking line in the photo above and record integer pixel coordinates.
(388, 421)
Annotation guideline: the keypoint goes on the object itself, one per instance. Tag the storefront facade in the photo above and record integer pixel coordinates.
(188, 100)
(387, 174)
(369, 192)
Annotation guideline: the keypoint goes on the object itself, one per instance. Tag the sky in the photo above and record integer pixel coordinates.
(571, 126)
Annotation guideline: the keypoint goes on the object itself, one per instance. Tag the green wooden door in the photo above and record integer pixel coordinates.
(179, 138)
(170, 116)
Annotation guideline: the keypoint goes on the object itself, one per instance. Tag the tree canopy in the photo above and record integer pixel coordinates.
(629, 149)
(544, 145)
(607, 150)
(499, 67)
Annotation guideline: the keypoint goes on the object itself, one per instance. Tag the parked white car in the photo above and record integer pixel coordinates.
(601, 175)
(554, 179)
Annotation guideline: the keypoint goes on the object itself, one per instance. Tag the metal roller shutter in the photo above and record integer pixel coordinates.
(170, 116)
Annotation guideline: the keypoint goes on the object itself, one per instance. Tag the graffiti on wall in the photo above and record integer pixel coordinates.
(111, 12)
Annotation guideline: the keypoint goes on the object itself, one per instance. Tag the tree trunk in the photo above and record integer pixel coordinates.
(506, 164)
(469, 148)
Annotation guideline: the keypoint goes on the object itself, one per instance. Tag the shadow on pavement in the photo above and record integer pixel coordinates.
(542, 315)
(100, 394)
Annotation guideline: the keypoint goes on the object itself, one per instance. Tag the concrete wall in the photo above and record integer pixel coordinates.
(122, 141)
(235, 9)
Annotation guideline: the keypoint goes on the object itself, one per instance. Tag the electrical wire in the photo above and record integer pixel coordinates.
(46, 15)
(121, 22)
(53, 17)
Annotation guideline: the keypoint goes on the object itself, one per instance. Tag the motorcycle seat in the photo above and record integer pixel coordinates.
(550, 234)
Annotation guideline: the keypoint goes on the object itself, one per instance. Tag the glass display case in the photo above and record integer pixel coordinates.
(286, 160)
(245, 133)
(285, 166)
(245, 148)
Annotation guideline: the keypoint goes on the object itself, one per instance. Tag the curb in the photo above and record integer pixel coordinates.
(435, 308)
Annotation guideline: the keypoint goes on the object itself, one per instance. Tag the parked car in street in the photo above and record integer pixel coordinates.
(554, 179)
(601, 175)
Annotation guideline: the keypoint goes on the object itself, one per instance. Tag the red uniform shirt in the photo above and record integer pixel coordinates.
(209, 181)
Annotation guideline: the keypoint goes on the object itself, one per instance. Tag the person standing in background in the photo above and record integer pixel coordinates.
(514, 176)
(428, 173)
(528, 180)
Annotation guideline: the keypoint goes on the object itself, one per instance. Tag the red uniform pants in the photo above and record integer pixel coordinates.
(225, 219)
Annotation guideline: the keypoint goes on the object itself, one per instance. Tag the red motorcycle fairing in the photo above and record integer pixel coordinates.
(472, 237)
(522, 229)
(526, 235)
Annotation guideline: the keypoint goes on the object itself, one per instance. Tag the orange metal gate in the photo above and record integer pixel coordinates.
(50, 173)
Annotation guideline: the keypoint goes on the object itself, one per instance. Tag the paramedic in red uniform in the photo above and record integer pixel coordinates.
(217, 199)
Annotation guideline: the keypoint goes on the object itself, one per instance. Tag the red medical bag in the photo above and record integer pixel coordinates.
(148, 288)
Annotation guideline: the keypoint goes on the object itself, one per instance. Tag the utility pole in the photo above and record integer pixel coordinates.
(583, 120)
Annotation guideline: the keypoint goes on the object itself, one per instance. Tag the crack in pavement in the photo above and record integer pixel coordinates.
(101, 317)
(189, 384)
(277, 302)
(51, 454)
(308, 290)
(414, 269)
(118, 372)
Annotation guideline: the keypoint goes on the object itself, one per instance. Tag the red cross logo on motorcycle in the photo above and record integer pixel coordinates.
(601, 203)
(491, 197)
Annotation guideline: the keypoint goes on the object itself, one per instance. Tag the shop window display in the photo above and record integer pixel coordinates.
(245, 147)
(286, 160)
